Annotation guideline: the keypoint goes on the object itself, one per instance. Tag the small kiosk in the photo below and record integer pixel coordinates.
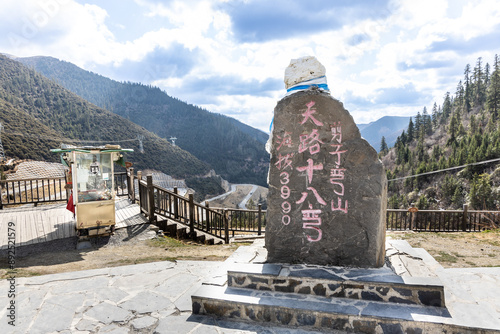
(91, 173)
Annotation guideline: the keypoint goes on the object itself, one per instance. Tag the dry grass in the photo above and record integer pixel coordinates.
(457, 249)
(462, 249)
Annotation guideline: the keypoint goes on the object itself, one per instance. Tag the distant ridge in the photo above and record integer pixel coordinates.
(233, 149)
(389, 127)
(38, 115)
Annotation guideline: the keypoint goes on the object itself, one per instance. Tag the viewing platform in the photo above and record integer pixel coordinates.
(50, 222)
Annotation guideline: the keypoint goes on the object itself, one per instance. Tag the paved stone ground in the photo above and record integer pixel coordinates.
(156, 297)
(143, 298)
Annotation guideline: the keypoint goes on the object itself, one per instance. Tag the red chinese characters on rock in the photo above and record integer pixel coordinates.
(337, 173)
(311, 144)
(284, 162)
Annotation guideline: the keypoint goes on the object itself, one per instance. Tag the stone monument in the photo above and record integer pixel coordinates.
(327, 187)
(326, 219)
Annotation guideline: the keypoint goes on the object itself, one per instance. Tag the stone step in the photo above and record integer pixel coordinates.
(373, 284)
(200, 238)
(317, 312)
(179, 231)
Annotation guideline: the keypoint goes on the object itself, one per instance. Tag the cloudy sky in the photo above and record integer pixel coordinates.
(382, 57)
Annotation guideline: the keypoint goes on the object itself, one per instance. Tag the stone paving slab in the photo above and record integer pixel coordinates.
(67, 303)
(143, 298)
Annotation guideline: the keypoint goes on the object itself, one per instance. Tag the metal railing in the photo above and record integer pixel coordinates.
(121, 183)
(33, 191)
(48, 190)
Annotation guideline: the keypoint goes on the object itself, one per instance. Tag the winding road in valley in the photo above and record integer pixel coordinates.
(243, 203)
(234, 187)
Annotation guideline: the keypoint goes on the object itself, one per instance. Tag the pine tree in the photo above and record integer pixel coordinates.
(487, 75)
(493, 94)
(481, 193)
(479, 92)
(453, 130)
(418, 125)
(435, 115)
(383, 146)
(467, 90)
(426, 123)
(459, 95)
(472, 125)
(411, 131)
(447, 104)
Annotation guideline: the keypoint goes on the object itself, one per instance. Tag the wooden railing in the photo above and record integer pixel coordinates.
(155, 200)
(221, 222)
(442, 220)
(245, 221)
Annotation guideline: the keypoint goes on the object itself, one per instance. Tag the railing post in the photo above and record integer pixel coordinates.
(176, 204)
(131, 184)
(151, 198)
(191, 217)
(465, 217)
(141, 199)
(413, 218)
(1, 203)
(259, 220)
(68, 180)
(226, 227)
(207, 215)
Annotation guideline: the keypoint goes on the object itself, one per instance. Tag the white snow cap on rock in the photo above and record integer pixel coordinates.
(303, 69)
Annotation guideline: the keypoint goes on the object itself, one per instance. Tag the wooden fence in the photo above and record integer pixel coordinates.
(442, 220)
(219, 222)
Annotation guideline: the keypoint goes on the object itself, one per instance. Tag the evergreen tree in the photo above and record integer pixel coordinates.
(479, 92)
(411, 131)
(467, 90)
(472, 125)
(459, 95)
(453, 130)
(481, 193)
(383, 146)
(487, 75)
(447, 106)
(418, 125)
(493, 94)
(426, 123)
(435, 115)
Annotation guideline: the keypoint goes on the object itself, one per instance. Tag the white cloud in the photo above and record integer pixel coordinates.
(362, 57)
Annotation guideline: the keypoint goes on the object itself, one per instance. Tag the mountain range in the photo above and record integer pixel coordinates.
(37, 115)
(45, 101)
(389, 127)
(233, 149)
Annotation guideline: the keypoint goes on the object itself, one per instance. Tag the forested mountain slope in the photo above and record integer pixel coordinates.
(463, 130)
(38, 114)
(235, 150)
